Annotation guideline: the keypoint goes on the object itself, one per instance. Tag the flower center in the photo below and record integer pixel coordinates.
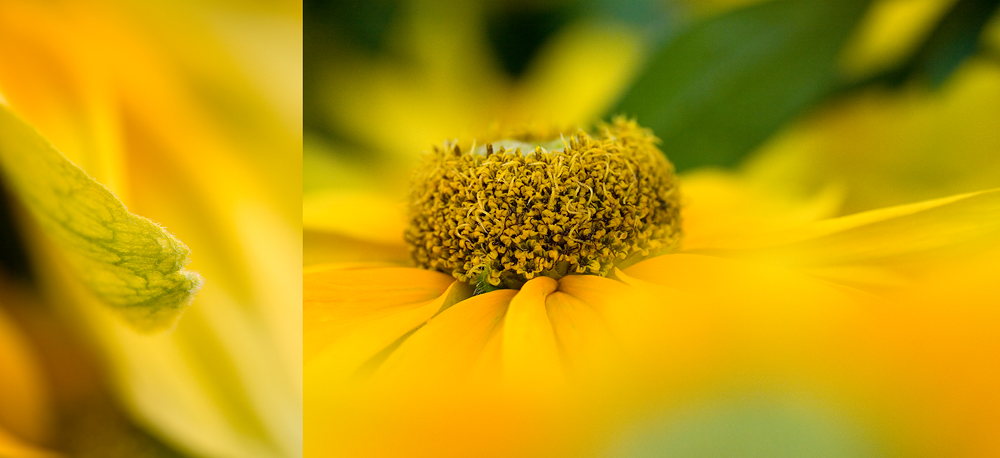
(508, 211)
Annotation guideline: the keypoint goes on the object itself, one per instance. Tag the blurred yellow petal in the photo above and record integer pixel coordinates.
(876, 247)
(610, 53)
(890, 31)
(335, 188)
(745, 287)
(885, 147)
(12, 447)
(720, 207)
(438, 91)
(61, 85)
(24, 410)
(250, 263)
(373, 217)
(227, 382)
(321, 247)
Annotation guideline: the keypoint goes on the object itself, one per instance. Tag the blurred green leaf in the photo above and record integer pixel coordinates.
(719, 89)
(760, 425)
(362, 24)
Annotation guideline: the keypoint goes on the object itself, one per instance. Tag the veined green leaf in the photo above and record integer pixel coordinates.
(128, 261)
(720, 88)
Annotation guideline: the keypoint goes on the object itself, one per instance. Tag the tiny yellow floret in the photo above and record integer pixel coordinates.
(511, 210)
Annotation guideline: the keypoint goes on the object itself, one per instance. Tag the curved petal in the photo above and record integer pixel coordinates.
(586, 343)
(599, 320)
(439, 393)
(353, 314)
(879, 241)
(891, 147)
(462, 342)
(530, 353)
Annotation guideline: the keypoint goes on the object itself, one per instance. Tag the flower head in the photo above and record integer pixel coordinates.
(501, 215)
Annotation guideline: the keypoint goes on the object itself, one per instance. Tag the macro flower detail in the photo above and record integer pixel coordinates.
(505, 212)
(547, 362)
(831, 291)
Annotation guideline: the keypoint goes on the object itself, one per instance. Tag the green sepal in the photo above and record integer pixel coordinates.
(129, 262)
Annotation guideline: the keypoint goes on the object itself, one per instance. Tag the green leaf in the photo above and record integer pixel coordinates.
(128, 261)
(719, 89)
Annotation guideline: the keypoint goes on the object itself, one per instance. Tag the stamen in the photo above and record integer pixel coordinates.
(508, 211)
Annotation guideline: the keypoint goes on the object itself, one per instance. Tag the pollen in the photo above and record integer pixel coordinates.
(508, 211)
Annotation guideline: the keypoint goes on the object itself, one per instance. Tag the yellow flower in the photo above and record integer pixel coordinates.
(779, 327)
(827, 333)
(190, 113)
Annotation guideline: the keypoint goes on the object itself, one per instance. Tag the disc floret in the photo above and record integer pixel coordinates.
(503, 215)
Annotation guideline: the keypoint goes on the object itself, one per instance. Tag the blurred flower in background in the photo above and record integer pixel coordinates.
(428, 70)
(833, 295)
(190, 113)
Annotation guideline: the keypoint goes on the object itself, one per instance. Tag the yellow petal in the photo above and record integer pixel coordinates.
(530, 353)
(440, 91)
(320, 247)
(722, 209)
(585, 341)
(131, 263)
(915, 366)
(752, 301)
(363, 216)
(212, 382)
(922, 234)
(353, 314)
(889, 32)
(889, 147)
(598, 320)
(454, 345)
(548, 93)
